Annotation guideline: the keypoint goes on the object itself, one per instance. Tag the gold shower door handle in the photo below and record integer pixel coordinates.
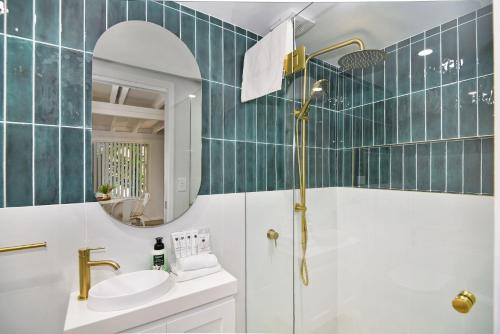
(273, 235)
(464, 301)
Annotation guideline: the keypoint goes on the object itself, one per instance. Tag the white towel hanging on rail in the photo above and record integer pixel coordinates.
(263, 63)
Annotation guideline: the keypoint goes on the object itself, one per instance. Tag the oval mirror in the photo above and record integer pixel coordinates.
(146, 124)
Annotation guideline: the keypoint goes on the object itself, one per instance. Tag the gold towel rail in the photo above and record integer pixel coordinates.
(22, 247)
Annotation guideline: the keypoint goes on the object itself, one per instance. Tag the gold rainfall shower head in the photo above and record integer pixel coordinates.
(361, 59)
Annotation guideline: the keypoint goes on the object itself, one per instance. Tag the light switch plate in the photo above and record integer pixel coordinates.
(181, 183)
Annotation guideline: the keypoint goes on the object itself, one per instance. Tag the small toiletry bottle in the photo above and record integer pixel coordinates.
(159, 256)
(176, 244)
(182, 236)
(203, 243)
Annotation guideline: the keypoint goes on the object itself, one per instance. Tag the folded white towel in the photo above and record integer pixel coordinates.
(196, 262)
(263, 63)
(181, 276)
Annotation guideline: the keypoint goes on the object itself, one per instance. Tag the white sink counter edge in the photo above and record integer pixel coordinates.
(183, 296)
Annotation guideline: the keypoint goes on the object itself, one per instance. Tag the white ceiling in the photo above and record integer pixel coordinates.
(257, 17)
(378, 24)
(117, 108)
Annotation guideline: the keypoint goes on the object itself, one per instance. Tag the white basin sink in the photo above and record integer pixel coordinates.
(129, 290)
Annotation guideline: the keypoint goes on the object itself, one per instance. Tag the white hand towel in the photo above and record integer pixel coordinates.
(181, 276)
(195, 262)
(263, 63)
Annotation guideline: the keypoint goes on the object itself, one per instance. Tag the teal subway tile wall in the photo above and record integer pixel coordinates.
(423, 122)
(375, 124)
(45, 121)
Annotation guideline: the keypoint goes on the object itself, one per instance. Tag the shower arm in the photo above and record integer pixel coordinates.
(330, 48)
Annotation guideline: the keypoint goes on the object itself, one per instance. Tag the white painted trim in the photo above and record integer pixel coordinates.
(169, 135)
(105, 136)
(159, 102)
(158, 127)
(114, 93)
(123, 94)
(122, 110)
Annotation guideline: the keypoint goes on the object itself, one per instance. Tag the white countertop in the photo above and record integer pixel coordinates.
(183, 296)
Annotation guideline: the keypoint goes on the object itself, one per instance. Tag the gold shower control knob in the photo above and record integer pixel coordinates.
(464, 301)
(273, 235)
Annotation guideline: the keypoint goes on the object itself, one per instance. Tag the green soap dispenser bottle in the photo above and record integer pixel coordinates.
(159, 259)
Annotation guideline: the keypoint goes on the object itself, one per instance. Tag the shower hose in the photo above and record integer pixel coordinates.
(300, 128)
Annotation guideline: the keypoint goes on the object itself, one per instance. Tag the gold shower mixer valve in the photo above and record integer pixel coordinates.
(273, 235)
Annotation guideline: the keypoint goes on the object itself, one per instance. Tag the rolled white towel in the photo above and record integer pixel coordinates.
(196, 262)
(181, 276)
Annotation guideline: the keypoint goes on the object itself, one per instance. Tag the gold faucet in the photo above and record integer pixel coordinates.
(85, 264)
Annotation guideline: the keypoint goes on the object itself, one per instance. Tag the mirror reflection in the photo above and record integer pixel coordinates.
(146, 124)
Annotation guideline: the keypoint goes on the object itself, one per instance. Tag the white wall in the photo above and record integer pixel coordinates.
(380, 262)
(403, 256)
(316, 304)
(273, 272)
(269, 266)
(35, 285)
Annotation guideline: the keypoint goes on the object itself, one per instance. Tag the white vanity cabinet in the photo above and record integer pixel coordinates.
(216, 317)
(203, 305)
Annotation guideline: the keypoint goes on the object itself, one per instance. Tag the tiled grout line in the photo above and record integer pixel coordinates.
(163, 16)
(477, 116)
(425, 104)
(33, 69)
(59, 104)
(430, 166)
(411, 92)
(235, 94)
(47, 125)
(223, 111)
(459, 70)
(275, 139)
(385, 134)
(422, 142)
(463, 164)
(265, 146)
(84, 153)
(256, 109)
(481, 166)
(441, 89)
(107, 14)
(44, 43)
(476, 79)
(4, 143)
(209, 110)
